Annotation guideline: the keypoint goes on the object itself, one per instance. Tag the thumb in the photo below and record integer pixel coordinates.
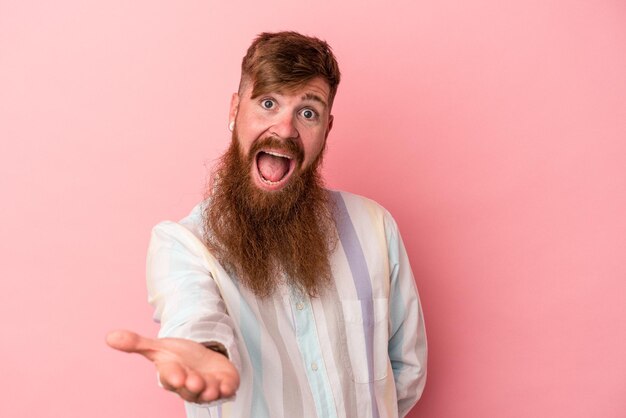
(130, 342)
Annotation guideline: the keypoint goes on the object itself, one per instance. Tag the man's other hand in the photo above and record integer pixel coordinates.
(195, 372)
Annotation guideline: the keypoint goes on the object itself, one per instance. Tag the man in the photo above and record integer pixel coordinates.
(277, 297)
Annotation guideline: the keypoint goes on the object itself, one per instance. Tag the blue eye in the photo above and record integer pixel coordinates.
(267, 103)
(308, 114)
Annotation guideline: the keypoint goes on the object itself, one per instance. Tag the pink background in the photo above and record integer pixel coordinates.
(495, 132)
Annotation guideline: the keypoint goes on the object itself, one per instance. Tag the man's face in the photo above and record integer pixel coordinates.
(284, 131)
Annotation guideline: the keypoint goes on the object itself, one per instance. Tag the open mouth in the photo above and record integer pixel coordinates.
(274, 168)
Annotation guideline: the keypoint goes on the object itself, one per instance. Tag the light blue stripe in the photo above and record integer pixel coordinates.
(251, 332)
(360, 275)
(308, 343)
(397, 313)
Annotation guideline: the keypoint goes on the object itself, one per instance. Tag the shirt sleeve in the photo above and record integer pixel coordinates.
(407, 343)
(187, 301)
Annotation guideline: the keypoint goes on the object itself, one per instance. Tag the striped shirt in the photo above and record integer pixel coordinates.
(359, 350)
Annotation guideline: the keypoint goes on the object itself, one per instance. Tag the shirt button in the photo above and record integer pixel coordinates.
(314, 366)
(300, 306)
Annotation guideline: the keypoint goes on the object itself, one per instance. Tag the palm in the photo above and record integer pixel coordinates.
(196, 373)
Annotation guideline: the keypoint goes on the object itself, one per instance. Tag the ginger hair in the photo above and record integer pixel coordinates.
(285, 61)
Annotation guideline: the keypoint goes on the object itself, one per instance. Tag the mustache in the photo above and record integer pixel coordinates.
(274, 143)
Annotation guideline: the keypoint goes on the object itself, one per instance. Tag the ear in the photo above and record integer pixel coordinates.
(331, 118)
(234, 107)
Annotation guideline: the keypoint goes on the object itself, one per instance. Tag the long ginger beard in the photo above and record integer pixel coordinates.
(267, 238)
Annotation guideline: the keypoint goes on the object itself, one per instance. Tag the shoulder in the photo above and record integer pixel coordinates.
(356, 202)
(191, 226)
(194, 221)
(360, 209)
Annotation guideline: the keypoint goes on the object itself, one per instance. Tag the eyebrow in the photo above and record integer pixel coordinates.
(315, 98)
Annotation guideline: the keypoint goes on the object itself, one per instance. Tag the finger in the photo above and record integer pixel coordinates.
(171, 375)
(227, 388)
(228, 385)
(131, 342)
(187, 395)
(194, 383)
(211, 391)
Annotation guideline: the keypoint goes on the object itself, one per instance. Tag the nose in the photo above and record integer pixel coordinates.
(284, 126)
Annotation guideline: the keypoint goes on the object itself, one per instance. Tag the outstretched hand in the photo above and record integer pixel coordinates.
(190, 369)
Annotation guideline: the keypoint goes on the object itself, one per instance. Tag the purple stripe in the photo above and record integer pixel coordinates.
(360, 275)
